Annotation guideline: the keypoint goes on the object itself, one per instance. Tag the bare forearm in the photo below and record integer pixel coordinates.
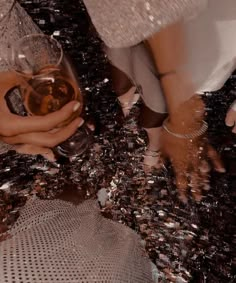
(168, 48)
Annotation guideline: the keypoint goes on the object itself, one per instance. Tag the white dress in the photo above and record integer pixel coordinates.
(211, 53)
(211, 42)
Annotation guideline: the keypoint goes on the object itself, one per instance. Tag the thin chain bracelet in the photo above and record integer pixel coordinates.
(193, 135)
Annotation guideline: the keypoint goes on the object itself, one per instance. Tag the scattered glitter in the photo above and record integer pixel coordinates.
(187, 242)
(5, 186)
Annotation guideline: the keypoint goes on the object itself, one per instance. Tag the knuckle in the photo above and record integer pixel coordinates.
(53, 140)
(47, 127)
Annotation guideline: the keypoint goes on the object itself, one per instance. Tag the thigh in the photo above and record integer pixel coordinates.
(145, 75)
(121, 61)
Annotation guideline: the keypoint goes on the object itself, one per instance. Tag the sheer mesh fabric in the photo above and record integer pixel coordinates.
(56, 241)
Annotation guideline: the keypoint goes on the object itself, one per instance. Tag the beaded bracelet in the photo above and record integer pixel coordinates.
(193, 135)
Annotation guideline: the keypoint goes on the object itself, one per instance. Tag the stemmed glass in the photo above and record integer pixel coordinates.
(49, 83)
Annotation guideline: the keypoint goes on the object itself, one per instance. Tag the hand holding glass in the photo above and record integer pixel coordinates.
(49, 83)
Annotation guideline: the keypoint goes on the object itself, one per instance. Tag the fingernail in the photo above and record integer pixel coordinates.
(81, 122)
(76, 107)
(221, 170)
(229, 124)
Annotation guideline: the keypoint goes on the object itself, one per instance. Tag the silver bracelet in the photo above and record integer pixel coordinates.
(192, 135)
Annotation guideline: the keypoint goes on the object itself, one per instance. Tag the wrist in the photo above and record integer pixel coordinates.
(186, 133)
(189, 115)
(184, 124)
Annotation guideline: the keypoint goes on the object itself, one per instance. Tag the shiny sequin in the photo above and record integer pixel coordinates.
(187, 243)
(126, 23)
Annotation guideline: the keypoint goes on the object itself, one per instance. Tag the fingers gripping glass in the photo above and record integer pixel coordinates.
(49, 82)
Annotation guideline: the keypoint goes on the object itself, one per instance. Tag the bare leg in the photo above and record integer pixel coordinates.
(152, 153)
(125, 90)
(152, 123)
(128, 99)
(153, 137)
(149, 120)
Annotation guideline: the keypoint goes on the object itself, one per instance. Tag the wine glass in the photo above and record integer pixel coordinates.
(49, 83)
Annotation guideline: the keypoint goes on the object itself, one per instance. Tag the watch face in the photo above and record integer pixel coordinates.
(5, 7)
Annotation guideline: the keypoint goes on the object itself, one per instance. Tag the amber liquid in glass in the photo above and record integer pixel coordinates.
(48, 93)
